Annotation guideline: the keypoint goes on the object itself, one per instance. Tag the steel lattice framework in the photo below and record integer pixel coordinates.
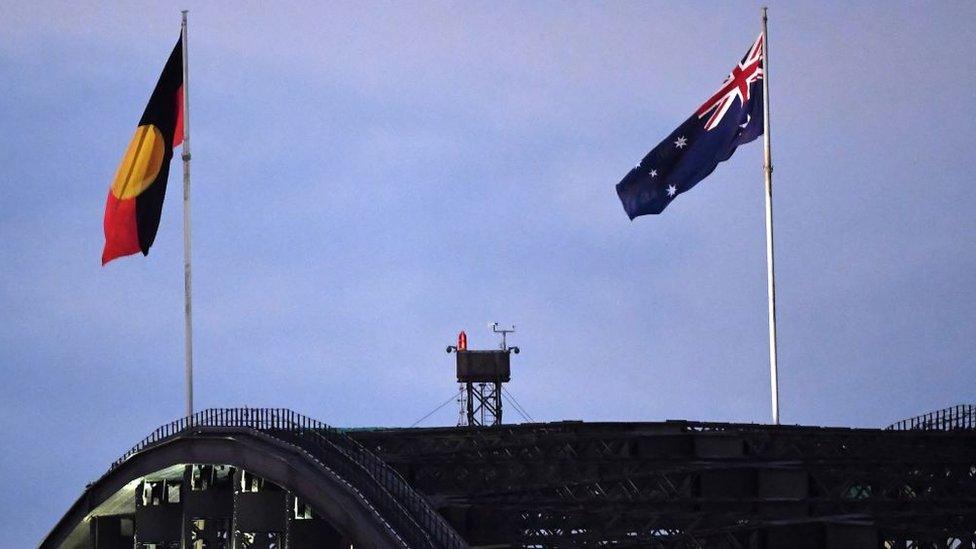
(673, 484)
(691, 484)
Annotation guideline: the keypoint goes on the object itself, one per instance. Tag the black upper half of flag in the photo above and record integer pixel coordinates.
(733, 116)
(163, 109)
(164, 112)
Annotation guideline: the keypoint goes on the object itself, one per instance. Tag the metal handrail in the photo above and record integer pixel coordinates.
(962, 416)
(407, 511)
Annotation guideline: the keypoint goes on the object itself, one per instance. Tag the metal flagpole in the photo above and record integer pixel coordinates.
(770, 271)
(188, 294)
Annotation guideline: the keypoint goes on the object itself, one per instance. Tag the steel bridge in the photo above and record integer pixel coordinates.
(250, 478)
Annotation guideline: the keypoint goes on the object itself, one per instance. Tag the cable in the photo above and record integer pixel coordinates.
(519, 404)
(515, 403)
(516, 408)
(446, 402)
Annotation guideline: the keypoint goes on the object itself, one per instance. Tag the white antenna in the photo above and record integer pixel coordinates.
(504, 331)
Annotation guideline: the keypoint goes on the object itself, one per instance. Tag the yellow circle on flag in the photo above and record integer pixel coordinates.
(141, 163)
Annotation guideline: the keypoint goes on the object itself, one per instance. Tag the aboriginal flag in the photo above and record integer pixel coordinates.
(135, 199)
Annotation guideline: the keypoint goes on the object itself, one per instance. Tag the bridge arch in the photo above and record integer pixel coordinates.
(356, 493)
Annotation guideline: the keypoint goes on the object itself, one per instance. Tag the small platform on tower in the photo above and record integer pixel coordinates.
(484, 366)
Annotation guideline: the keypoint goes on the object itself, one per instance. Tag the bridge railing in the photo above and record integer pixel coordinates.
(388, 485)
(407, 511)
(252, 418)
(962, 416)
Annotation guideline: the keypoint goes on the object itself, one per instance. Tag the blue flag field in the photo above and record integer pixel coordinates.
(731, 117)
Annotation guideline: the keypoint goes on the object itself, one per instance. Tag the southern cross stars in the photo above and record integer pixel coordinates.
(672, 190)
(681, 142)
(653, 173)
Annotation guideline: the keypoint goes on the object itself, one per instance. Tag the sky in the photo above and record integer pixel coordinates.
(369, 178)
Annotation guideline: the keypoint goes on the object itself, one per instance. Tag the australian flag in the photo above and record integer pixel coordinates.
(731, 117)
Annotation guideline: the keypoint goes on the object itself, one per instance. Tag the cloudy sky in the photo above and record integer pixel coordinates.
(371, 178)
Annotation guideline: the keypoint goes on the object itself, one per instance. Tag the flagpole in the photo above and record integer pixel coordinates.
(770, 271)
(188, 293)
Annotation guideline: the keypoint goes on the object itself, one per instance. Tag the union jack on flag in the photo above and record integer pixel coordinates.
(732, 116)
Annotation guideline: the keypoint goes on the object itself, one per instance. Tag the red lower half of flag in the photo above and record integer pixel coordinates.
(121, 229)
